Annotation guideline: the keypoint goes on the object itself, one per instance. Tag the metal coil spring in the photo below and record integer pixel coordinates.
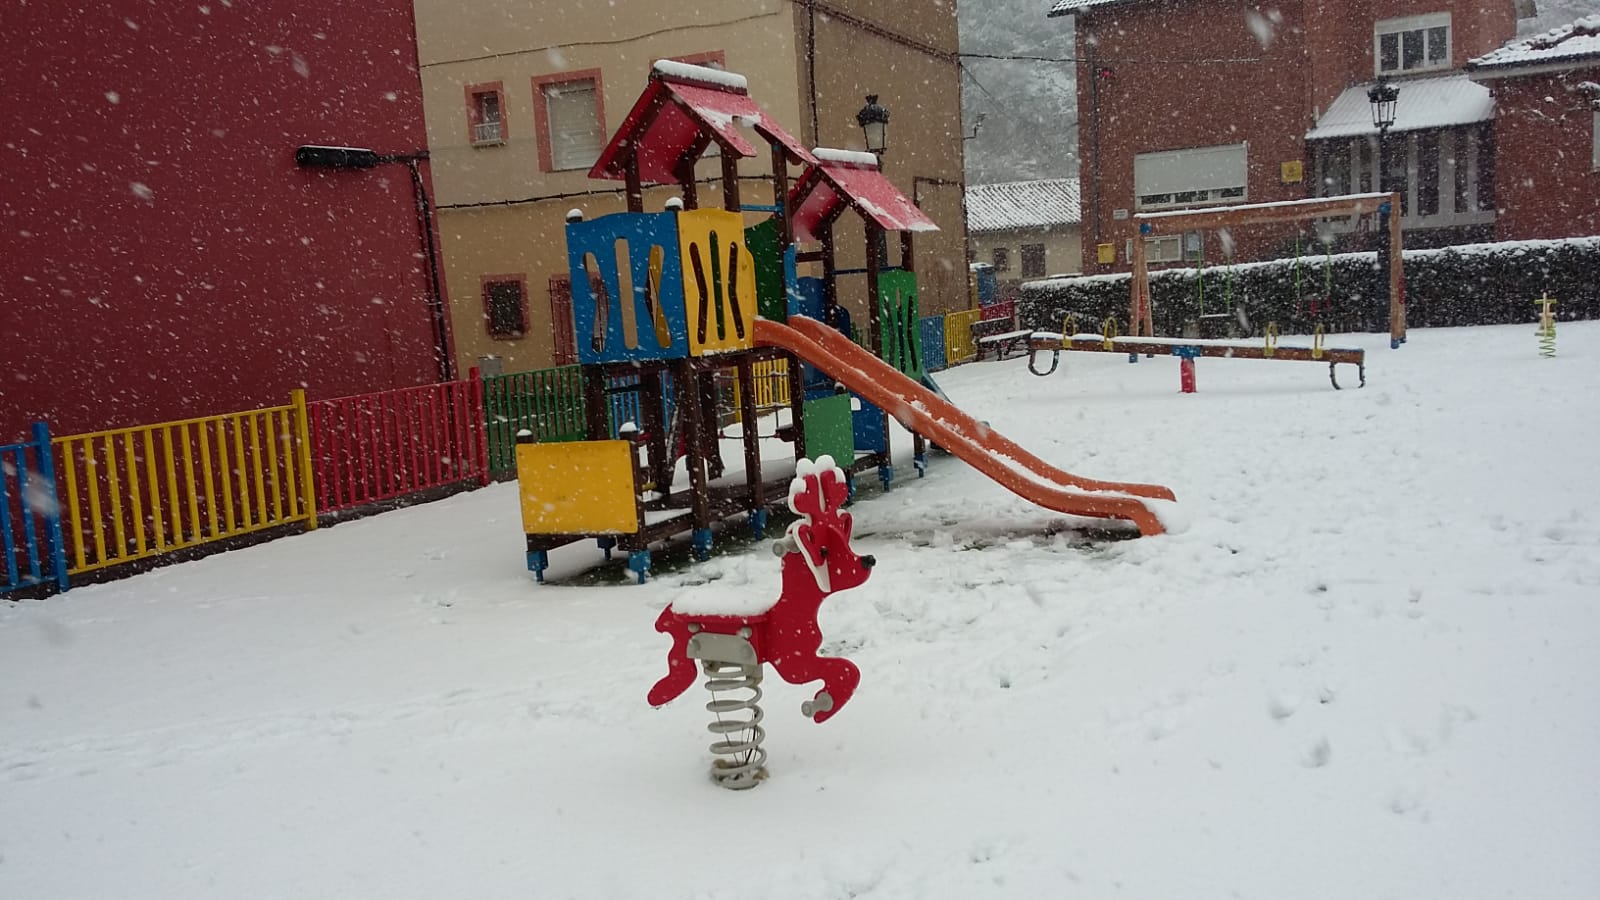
(743, 761)
(1547, 340)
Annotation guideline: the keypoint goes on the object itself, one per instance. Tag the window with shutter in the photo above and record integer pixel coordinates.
(570, 113)
(505, 309)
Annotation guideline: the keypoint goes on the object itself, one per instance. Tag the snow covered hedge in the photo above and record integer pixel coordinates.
(1473, 284)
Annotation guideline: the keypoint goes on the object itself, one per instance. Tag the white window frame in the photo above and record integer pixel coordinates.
(1210, 190)
(486, 131)
(1594, 145)
(1406, 144)
(563, 156)
(1400, 27)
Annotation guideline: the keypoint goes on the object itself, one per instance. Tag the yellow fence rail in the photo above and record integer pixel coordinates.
(959, 346)
(133, 493)
(772, 389)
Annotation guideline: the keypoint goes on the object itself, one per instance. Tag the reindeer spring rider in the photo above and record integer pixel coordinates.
(734, 643)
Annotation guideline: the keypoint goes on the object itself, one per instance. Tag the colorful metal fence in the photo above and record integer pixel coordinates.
(930, 331)
(1005, 309)
(30, 516)
(132, 493)
(959, 345)
(547, 402)
(369, 448)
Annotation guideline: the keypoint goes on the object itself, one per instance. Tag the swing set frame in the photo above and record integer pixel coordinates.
(1383, 205)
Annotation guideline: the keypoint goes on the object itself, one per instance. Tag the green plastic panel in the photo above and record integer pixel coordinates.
(762, 242)
(829, 430)
(899, 314)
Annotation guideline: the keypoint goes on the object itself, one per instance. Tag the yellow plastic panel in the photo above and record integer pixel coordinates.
(719, 281)
(577, 487)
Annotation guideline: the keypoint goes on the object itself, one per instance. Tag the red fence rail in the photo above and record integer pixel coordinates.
(369, 448)
(1005, 309)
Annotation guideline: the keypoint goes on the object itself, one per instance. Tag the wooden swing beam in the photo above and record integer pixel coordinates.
(1148, 225)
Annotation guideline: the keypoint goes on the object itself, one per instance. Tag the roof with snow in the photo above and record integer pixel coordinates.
(843, 179)
(1073, 7)
(1023, 205)
(1438, 102)
(1575, 43)
(681, 111)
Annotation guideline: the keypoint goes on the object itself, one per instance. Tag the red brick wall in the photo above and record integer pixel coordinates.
(1545, 185)
(161, 256)
(1161, 96)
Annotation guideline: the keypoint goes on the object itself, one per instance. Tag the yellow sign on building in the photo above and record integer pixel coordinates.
(1292, 171)
(1106, 253)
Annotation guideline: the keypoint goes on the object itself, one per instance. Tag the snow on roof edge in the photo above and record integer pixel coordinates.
(849, 157)
(703, 74)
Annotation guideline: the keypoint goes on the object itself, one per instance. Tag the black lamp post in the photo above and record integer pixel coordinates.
(313, 156)
(1383, 96)
(874, 122)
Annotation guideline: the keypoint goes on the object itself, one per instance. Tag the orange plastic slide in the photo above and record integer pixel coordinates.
(986, 450)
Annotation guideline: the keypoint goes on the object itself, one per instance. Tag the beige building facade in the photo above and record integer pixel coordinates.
(1026, 229)
(520, 98)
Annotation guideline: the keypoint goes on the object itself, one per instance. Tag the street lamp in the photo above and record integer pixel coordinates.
(874, 122)
(320, 156)
(1383, 96)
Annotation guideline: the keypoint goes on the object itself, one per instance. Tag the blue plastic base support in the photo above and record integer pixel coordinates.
(538, 561)
(886, 475)
(1133, 357)
(1394, 344)
(639, 563)
(700, 540)
(920, 462)
(758, 522)
(850, 488)
(607, 544)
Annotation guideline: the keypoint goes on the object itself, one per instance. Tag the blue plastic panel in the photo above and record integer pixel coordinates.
(655, 292)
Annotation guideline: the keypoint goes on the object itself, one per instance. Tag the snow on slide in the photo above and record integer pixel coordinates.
(986, 450)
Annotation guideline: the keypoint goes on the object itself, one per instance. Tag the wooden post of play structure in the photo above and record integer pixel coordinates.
(908, 262)
(652, 400)
(780, 196)
(730, 180)
(752, 437)
(635, 189)
(875, 249)
(1139, 323)
(597, 425)
(693, 439)
(797, 405)
(830, 273)
(1397, 278)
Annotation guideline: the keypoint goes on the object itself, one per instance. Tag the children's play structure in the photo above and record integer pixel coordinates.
(1547, 326)
(671, 299)
(1141, 338)
(734, 642)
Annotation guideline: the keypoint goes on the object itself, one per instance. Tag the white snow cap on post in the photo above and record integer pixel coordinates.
(852, 157)
(704, 74)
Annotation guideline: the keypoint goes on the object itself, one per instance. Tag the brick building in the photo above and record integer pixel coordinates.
(1547, 117)
(162, 256)
(1195, 103)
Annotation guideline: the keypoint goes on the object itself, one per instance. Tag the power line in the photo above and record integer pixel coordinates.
(1111, 59)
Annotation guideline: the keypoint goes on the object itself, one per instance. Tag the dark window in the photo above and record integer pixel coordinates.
(1002, 259)
(488, 125)
(1389, 52)
(1366, 167)
(1485, 167)
(504, 309)
(1032, 260)
(1438, 45)
(1335, 169)
(1461, 144)
(1428, 174)
(1411, 50)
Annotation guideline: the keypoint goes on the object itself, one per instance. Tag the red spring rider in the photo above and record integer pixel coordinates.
(733, 647)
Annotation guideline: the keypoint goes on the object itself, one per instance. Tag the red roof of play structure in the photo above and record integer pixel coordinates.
(841, 178)
(671, 115)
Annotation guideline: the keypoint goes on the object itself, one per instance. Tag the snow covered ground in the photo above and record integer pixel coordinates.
(1368, 665)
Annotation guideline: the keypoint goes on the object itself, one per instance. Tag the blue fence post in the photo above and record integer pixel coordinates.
(52, 521)
(49, 562)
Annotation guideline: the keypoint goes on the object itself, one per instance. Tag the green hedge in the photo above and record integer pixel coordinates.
(1474, 284)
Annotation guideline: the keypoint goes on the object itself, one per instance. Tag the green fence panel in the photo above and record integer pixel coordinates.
(547, 402)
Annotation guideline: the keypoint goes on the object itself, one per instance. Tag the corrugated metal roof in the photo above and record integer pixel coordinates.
(1438, 102)
(1578, 41)
(1070, 7)
(1014, 205)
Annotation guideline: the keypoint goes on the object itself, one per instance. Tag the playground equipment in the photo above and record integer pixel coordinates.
(666, 303)
(1383, 205)
(1187, 350)
(733, 645)
(1547, 326)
